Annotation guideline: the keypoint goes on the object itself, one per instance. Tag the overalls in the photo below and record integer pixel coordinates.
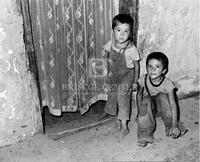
(119, 80)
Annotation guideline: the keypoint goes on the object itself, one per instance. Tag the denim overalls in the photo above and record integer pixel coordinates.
(119, 80)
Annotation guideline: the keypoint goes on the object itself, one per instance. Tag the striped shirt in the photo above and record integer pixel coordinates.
(166, 86)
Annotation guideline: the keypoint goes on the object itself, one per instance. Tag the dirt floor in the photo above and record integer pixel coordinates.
(98, 144)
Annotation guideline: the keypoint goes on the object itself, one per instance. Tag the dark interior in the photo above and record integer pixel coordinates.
(74, 120)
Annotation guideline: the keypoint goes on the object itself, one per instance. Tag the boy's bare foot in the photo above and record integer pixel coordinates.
(144, 142)
(117, 126)
(121, 134)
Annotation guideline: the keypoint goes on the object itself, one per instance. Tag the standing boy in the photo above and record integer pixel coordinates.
(123, 71)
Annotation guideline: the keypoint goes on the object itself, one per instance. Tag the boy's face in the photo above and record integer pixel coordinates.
(155, 69)
(121, 32)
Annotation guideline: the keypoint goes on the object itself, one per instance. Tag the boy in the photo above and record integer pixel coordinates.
(156, 97)
(123, 71)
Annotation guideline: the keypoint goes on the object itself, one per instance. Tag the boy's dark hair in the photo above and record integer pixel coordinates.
(159, 56)
(124, 19)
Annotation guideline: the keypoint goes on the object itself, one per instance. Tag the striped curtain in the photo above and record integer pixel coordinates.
(68, 36)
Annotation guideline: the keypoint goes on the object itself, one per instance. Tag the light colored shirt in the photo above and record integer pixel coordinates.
(131, 53)
(166, 86)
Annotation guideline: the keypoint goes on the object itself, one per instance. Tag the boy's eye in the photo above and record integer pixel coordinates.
(118, 30)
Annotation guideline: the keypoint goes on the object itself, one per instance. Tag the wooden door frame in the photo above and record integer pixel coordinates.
(32, 61)
(131, 7)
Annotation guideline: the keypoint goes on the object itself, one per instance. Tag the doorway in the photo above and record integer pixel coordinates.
(61, 37)
(73, 122)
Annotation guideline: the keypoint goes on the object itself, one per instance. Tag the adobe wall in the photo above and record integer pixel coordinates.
(172, 27)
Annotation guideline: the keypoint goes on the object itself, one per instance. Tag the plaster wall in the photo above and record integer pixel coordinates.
(172, 27)
(19, 106)
(169, 26)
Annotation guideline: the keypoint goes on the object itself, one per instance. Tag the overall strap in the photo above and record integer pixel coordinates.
(124, 47)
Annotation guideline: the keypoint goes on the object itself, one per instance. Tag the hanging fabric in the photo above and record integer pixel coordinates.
(68, 36)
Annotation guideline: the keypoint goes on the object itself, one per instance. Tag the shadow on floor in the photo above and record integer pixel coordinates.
(72, 122)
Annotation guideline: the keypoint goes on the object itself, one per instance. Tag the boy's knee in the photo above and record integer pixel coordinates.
(162, 96)
(163, 102)
(146, 102)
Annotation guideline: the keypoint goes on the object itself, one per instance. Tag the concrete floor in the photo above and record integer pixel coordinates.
(98, 145)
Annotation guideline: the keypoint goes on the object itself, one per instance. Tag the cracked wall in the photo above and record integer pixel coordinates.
(172, 27)
(169, 26)
(19, 106)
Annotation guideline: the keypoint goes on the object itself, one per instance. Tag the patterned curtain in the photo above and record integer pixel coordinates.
(68, 38)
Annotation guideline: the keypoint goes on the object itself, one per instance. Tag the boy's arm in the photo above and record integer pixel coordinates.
(174, 108)
(174, 131)
(136, 74)
(105, 54)
(105, 57)
(136, 70)
(139, 98)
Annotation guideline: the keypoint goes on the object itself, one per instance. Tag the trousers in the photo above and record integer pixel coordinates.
(152, 107)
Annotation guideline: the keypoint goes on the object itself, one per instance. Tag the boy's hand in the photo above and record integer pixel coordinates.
(134, 86)
(174, 132)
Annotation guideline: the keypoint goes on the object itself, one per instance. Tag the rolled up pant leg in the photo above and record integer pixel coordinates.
(146, 121)
(124, 96)
(164, 109)
(111, 104)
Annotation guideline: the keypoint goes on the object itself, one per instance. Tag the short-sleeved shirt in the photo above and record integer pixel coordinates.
(166, 86)
(131, 53)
